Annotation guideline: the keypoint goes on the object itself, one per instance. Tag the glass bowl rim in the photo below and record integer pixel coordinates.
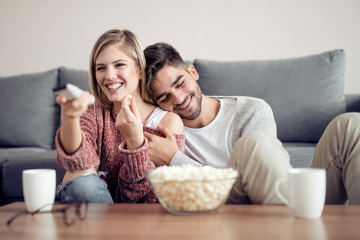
(160, 180)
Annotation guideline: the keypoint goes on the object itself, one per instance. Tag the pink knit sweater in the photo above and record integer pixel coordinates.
(104, 148)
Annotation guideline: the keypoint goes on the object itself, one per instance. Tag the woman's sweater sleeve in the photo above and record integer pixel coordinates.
(180, 141)
(132, 183)
(86, 155)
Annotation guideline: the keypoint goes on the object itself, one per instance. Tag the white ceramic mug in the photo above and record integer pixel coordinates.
(39, 186)
(306, 191)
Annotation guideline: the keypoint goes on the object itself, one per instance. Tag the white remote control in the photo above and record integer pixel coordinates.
(71, 92)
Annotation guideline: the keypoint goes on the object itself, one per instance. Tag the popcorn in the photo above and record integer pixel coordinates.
(129, 98)
(189, 188)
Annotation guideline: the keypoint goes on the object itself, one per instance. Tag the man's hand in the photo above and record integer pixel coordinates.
(161, 149)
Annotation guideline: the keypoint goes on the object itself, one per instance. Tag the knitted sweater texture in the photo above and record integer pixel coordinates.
(103, 146)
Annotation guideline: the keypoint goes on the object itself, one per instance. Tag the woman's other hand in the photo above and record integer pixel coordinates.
(129, 123)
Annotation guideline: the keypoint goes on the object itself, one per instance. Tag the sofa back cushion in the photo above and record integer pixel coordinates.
(27, 110)
(305, 93)
(76, 77)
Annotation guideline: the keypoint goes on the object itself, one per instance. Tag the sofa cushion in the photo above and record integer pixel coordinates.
(77, 77)
(352, 102)
(26, 159)
(301, 154)
(9, 153)
(305, 93)
(74, 76)
(27, 106)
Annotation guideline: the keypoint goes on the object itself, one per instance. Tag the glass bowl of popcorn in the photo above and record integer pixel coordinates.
(191, 189)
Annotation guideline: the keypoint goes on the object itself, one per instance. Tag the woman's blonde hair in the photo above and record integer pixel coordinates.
(127, 43)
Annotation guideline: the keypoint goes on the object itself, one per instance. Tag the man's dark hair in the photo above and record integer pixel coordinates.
(157, 56)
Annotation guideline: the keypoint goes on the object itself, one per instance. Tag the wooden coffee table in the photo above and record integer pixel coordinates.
(151, 221)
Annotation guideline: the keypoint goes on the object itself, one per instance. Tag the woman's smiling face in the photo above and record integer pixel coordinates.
(116, 73)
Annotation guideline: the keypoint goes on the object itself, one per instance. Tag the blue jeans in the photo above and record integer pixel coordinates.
(90, 188)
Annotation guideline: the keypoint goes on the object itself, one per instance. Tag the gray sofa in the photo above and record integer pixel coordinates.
(305, 94)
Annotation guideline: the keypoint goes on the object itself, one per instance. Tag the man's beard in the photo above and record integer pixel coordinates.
(197, 111)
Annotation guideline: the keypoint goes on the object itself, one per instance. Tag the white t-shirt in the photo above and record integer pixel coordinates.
(155, 118)
(212, 144)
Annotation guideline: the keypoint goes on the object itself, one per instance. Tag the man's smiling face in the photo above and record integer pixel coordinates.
(176, 90)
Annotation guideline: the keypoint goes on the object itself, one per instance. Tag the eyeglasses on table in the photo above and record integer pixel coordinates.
(70, 212)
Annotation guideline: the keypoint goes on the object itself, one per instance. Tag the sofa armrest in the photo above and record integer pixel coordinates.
(352, 102)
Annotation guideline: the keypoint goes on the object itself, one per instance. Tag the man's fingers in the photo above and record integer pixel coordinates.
(167, 132)
(148, 135)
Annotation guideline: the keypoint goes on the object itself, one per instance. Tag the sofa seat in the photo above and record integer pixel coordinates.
(14, 160)
(301, 154)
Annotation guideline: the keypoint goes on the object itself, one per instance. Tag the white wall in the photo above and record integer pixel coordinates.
(37, 35)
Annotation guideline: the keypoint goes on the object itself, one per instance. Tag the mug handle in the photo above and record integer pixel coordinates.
(279, 194)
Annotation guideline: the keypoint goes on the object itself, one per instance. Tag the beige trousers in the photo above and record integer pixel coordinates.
(338, 151)
(261, 161)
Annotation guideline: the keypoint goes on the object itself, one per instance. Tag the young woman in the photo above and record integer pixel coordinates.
(102, 146)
